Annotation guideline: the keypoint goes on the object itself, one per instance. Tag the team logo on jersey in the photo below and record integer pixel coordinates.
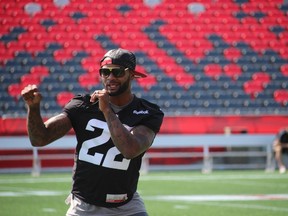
(141, 112)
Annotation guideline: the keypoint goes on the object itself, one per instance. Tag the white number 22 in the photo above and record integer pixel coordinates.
(109, 158)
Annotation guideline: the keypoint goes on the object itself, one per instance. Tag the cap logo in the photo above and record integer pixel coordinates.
(106, 61)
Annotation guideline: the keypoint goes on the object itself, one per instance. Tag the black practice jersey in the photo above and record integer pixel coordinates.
(102, 176)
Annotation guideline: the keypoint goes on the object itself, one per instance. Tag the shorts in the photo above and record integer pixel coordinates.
(77, 207)
(284, 150)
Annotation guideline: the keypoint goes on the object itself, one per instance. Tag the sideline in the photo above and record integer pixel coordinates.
(144, 177)
(201, 198)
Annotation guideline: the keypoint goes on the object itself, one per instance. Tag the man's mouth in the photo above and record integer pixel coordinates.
(112, 86)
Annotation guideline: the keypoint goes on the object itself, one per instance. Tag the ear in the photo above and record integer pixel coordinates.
(132, 77)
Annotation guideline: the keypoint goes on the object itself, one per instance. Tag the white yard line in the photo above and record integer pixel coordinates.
(255, 183)
(180, 177)
(242, 206)
(31, 180)
(210, 178)
(223, 201)
(200, 198)
(32, 193)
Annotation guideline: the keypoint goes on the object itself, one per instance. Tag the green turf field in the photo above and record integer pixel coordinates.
(221, 193)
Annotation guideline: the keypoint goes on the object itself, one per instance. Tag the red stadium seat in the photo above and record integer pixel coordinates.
(232, 53)
(232, 70)
(29, 79)
(15, 90)
(213, 70)
(5, 54)
(63, 54)
(172, 69)
(283, 52)
(88, 80)
(63, 98)
(147, 82)
(284, 69)
(261, 77)
(184, 79)
(253, 87)
(40, 70)
(281, 96)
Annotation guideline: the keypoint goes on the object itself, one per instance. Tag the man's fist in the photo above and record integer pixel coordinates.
(31, 95)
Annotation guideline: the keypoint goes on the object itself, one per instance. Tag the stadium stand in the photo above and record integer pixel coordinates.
(239, 44)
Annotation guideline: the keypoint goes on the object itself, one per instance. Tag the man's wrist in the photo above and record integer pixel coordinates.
(34, 107)
(108, 111)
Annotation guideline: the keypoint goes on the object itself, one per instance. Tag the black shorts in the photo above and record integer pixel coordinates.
(284, 150)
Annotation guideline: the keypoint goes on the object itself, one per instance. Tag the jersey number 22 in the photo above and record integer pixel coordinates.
(110, 156)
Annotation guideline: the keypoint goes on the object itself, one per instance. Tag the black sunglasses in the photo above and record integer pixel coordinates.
(117, 72)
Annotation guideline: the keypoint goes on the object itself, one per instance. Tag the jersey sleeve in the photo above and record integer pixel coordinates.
(155, 119)
(75, 104)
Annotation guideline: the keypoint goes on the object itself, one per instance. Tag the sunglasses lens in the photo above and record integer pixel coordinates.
(117, 72)
(104, 72)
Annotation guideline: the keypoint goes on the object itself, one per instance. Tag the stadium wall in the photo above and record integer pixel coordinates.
(186, 125)
(177, 125)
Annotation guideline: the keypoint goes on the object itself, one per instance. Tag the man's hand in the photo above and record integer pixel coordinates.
(103, 97)
(31, 95)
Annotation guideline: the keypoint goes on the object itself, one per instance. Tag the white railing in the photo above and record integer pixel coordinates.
(245, 142)
(232, 143)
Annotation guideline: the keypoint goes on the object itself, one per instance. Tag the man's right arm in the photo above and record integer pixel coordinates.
(42, 133)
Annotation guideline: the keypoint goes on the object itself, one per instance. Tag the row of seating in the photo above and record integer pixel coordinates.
(231, 54)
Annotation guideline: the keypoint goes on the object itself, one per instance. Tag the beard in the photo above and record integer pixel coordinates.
(121, 89)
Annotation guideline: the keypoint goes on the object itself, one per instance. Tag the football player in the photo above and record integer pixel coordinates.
(280, 147)
(113, 128)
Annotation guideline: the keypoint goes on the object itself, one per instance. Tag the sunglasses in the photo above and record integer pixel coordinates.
(117, 72)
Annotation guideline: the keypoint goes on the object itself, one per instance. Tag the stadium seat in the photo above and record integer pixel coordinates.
(88, 80)
(64, 97)
(212, 70)
(232, 70)
(147, 82)
(184, 79)
(281, 96)
(29, 79)
(284, 69)
(261, 77)
(252, 87)
(15, 90)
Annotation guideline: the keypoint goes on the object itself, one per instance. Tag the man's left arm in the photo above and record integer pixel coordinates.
(129, 143)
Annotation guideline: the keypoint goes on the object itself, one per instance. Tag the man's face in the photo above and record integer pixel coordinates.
(115, 79)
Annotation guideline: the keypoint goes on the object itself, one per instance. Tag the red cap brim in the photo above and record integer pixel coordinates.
(139, 74)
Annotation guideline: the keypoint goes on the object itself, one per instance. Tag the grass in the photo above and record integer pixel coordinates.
(22, 194)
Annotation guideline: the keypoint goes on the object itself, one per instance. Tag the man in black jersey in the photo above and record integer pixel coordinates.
(280, 146)
(113, 129)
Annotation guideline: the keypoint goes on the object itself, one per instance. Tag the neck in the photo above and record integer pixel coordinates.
(122, 100)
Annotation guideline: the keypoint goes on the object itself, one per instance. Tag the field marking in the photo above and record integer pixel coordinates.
(32, 193)
(31, 180)
(180, 177)
(181, 207)
(218, 197)
(255, 184)
(241, 206)
(221, 200)
(49, 210)
(210, 178)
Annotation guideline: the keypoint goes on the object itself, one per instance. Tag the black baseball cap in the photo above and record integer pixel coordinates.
(122, 57)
